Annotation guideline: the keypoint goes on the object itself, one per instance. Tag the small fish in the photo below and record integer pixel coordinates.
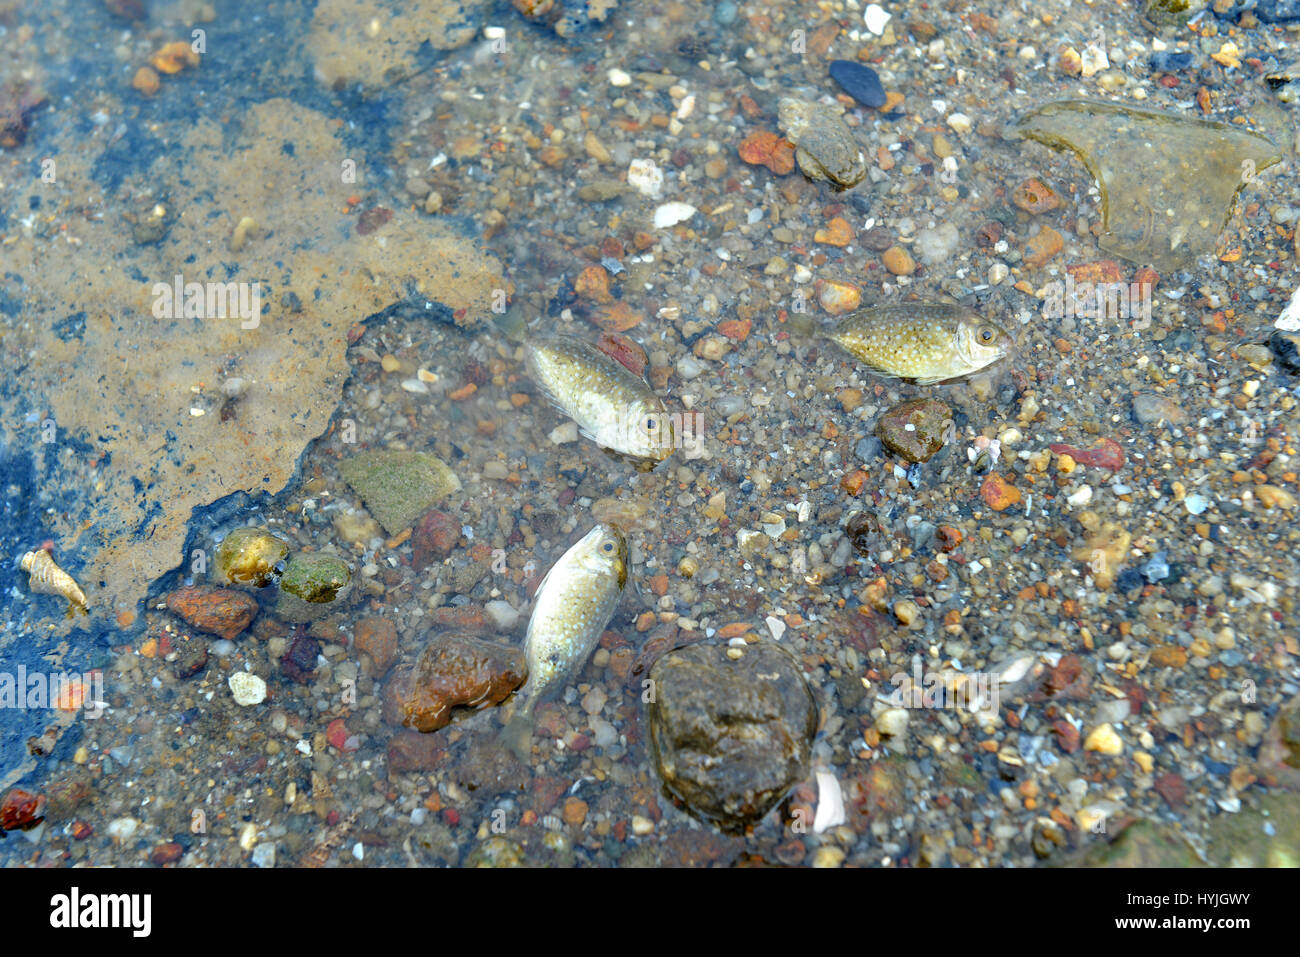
(574, 603)
(613, 406)
(922, 341)
(47, 578)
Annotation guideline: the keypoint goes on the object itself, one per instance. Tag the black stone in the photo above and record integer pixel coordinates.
(859, 82)
(1169, 62)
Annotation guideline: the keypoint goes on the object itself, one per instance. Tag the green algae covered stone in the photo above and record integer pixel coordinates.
(313, 585)
(399, 487)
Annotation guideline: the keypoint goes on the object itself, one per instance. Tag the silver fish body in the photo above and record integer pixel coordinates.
(573, 604)
(922, 341)
(612, 406)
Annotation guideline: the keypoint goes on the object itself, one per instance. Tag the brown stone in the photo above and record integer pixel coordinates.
(915, 430)
(435, 535)
(377, 637)
(452, 670)
(166, 854)
(1046, 244)
(21, 809)
(412, 751)
(898, 261)
(223, 612)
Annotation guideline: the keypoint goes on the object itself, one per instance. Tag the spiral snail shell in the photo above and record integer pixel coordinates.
(47, 578)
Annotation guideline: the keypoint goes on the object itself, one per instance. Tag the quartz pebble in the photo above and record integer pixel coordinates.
(247, 688)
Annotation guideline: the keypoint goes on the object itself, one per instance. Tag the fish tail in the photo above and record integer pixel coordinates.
(517, 735)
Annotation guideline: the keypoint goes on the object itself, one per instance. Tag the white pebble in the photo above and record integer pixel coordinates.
(875, 18)
(646, 176)
(618, 77)
(1094, 60)
(960, 123)
(502, 613)
(1082, 497)
(122, 829)
(670, 214)
(776, 626)
(247, 688)
(564, 433)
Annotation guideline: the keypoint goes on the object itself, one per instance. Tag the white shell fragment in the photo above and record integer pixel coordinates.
(646, 176)
(247, 688)
(670, 214)
(830, 803)
(1289, 321)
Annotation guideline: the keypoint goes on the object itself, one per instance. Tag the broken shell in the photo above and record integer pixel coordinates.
(248, 556)
(48, 578)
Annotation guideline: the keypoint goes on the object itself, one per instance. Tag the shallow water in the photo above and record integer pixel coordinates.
(399, 215)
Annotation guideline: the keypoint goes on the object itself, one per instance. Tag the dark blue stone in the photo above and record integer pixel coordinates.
(1167, 62)
(1277, 11)
(859, 82)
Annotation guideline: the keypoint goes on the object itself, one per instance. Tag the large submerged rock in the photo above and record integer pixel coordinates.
(731, 735)
(1167, 181)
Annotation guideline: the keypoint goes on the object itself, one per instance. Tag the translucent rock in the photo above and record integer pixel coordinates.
(1167, 181)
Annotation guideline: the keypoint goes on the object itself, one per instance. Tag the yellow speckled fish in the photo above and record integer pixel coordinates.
(573, 605)
(926, 342)
(613, 406)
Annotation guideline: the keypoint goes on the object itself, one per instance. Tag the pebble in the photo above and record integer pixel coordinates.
(646, 176)
(264, 854)
(892, 722)
(875, 18)
(670, 214)
(898, 261)
(858, 81)
(1104, 740)
(247, 688)
(122, 830)
(641, 826)
(937, 245)
(503, 614)
(593, 702)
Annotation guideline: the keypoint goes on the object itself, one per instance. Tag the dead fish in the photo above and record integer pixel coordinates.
(923, 341)
(574, 603)
(47, 578)
(613, 406)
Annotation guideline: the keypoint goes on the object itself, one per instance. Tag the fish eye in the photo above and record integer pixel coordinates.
(986, 334)
(608, 547)
(651, 424)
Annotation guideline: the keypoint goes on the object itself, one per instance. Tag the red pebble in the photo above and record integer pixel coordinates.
(624, 351)
(1068, 735)
(451, 816)
(81, 830)
(166, 854)
(21, 809)
(337, 735)
(1104, 454)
